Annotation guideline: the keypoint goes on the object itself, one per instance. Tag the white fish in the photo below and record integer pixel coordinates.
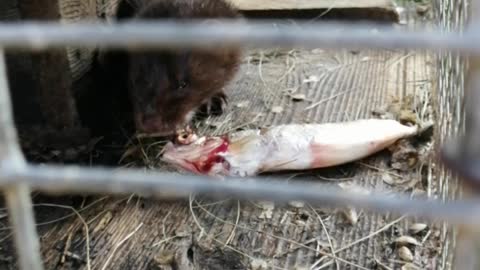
(286, 147)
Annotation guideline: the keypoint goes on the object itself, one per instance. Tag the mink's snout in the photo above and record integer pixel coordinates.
(155, 124)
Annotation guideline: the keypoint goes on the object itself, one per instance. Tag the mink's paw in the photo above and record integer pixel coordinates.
(216, 106)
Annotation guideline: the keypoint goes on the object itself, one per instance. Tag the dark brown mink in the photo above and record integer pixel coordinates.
(167, 87)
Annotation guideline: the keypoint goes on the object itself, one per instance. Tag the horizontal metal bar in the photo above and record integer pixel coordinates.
(53, 179)
(254, 33)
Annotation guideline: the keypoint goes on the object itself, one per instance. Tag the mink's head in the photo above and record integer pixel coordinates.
(167, 87)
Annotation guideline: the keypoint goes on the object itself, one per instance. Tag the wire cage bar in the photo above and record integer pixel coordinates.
(17, 177)
(254, 33)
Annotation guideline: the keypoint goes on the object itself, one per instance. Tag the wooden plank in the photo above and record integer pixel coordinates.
(310, 4)
(23, 91)
(51, 71)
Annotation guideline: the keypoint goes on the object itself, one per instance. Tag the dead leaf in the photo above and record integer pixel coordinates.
(387, 178)
(351, 215)
(406, 240)
(417, 227)
(405, 254)
(267, 208)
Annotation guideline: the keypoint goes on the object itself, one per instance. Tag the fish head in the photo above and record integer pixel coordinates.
(204, 156)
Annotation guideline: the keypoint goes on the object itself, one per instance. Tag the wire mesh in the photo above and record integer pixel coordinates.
(451, 16)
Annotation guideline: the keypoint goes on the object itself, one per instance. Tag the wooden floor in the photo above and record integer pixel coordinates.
(274, 87)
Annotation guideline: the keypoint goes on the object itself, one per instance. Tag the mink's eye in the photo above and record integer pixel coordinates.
(182, 84)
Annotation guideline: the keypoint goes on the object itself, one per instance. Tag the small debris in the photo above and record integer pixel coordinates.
(417, 228)
(102, 224)
(406, 240)
(74, 256)
(277, 109)
(298, 97)
(422, 9)
(405, 254)
(164, 258)
(243, 104)
(267, 209)
(409, 266)
(214, 124)
(351, 215)
(300, 223)
(402, 20)
(383, 113)
(387, 178)
(311, 79)
(258, 264)
(296, 204)
(404, 155)
(407, 116)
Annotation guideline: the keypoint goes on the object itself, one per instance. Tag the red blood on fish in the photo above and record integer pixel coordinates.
(205, 165)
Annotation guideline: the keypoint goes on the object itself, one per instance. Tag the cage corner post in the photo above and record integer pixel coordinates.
(17, 194)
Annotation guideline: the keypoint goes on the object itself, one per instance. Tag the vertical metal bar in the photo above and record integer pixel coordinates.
(467, 155)
(17, 197)
(22, 221)
(470, 144)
